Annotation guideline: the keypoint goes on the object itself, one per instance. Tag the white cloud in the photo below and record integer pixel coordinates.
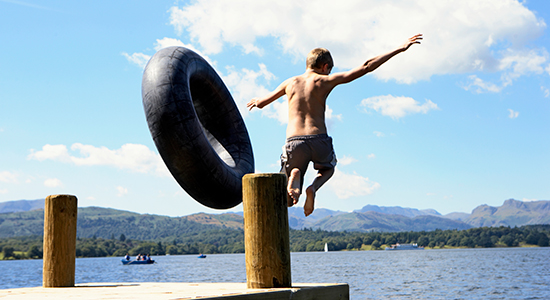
(397, 107)
(3, 191)
(277, 110)
(139, 59)
(545, 91)
(480, 86)
(371, 156)
(134, 157)
(8, 177)
(378, 133)
(51, 152)
(520, 63)
(330, 117)
(169, 42)
(529, 200)
(470, 35)
(247, 84)
(513, 114)
(121, 191)
(512, 65)
(351, 185)
(53, 182)
(346, 160)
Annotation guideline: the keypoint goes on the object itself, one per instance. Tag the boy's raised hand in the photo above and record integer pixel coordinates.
(413, 40)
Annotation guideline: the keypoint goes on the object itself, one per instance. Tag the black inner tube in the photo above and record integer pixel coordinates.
(196, 127)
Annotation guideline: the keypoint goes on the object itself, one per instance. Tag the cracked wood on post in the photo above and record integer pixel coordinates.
(267, 248)
(60, 214)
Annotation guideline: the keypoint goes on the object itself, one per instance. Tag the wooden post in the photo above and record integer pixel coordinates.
(267, 249)
(59, 241)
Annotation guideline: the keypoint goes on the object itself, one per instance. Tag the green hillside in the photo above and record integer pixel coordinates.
(108, 223)
(22, 223)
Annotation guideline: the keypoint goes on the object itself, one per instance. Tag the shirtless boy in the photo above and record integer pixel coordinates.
(306, 133)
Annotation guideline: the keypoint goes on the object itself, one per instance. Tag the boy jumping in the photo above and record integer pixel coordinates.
(306, 133)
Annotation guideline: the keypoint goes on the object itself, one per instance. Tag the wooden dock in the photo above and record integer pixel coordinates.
(181, 291)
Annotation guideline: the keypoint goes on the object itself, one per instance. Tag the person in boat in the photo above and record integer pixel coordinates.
(138, 257)
(127, 257)
(307, 139)
(148, 257)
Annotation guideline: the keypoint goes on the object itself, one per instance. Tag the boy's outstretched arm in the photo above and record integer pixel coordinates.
(373, 63)
(261, 102)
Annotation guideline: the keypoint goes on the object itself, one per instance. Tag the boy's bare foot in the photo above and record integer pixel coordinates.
(310, 200)
(289, 201)
(293, 187)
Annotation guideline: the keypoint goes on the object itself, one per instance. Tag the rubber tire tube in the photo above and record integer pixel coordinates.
(196, 127)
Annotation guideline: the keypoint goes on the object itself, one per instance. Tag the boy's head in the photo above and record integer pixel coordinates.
(318, 57)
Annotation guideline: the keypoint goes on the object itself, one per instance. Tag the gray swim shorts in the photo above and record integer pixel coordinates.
(300, 150)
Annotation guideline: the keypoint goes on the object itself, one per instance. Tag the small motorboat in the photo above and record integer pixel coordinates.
(137, 262)
(202, 256)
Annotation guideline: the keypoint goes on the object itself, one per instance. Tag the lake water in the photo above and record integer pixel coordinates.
(500, 273)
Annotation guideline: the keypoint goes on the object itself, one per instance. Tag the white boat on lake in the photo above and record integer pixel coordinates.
(404, 247)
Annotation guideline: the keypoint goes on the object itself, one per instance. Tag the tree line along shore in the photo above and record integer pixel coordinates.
(232, 241)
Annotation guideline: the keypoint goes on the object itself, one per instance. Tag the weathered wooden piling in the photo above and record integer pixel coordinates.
(266, 233)
(60, 213)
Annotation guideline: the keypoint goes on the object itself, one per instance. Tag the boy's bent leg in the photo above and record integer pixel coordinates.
(322, 177)
(293, 188)
(294, 162)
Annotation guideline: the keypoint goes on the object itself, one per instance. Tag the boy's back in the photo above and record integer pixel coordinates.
(307, 96)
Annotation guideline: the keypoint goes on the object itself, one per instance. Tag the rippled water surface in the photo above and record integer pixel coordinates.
(512, 273)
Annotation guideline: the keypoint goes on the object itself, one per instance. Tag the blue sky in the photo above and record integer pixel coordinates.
(456, 122)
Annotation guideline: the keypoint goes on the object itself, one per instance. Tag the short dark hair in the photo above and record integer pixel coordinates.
(318, 57)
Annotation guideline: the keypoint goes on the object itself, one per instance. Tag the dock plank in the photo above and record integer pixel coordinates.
(182, 291)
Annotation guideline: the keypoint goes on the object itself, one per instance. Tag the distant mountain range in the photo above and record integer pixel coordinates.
(21, 205)
(511, 213)
(22, 218)
(381, 218)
